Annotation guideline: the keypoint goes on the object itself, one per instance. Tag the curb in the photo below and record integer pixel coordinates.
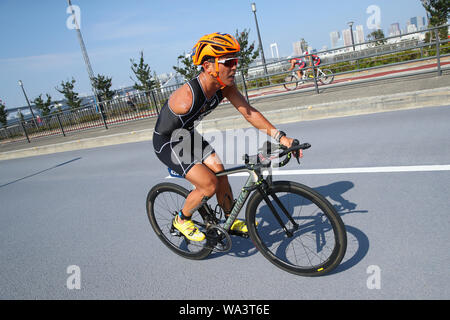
(400, 101)
(133, 136)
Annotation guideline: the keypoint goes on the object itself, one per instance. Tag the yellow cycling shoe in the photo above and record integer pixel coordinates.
(239, 226)
(189, 230)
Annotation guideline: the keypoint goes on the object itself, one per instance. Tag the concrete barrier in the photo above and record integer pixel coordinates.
(358, 106)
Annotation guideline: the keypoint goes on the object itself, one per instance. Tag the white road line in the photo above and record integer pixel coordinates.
(354, 170)
(364, 170)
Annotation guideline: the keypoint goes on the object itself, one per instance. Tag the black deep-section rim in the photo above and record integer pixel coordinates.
(335, 223)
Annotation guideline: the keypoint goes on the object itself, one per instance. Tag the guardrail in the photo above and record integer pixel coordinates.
(343, 61)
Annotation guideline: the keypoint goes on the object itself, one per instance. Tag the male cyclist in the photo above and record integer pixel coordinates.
(216, 53)
(301, 63)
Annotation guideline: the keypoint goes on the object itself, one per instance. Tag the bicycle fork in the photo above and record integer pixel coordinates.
(262, 191)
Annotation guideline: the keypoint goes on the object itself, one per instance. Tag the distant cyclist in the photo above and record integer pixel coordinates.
(216, 53)
(301, 63)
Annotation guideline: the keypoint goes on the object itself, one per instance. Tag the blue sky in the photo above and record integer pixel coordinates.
(39, 49)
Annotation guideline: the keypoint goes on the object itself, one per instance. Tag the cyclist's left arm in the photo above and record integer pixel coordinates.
(252, 115)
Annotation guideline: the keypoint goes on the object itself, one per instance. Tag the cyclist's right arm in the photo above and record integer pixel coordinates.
(180, 101)
(292, 65)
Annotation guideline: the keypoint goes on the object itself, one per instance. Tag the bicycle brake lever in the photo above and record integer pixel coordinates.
(296, 153)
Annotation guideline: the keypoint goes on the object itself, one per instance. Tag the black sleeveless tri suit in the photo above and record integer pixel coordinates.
(177, 144)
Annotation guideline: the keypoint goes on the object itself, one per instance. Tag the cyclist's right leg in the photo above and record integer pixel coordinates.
(300, 72)
(205, 183)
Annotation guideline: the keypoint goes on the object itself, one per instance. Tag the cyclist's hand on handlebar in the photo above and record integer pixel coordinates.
(289, 142)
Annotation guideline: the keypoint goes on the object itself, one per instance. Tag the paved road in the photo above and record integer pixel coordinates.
(87, 208)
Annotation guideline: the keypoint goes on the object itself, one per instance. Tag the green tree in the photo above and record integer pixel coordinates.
(103, 85)
(248, 54)
(71, 96)
(157, 82)
(438, 13)
(3, 115)
(188, 70)
(143, 75)
(44, 106)
(377, 35)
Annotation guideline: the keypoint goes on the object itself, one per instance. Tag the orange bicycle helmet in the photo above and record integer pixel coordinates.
(214, 45)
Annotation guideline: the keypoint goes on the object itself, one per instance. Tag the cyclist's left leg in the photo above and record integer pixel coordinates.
(224, 193)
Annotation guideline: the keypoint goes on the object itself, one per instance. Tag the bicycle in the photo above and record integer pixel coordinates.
(292, 81)
(298, 230)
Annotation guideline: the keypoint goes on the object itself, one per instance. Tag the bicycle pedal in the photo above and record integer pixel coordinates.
(239, 234)
(175, 232)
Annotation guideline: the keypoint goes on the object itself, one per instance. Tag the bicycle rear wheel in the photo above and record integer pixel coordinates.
(325, 76)
(315, 246)
(163, 203)
(291, 83)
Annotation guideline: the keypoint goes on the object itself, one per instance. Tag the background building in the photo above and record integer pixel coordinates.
(335, 36)
(394, 30)
(419, 22)
(347, 36)
(359, 34)
(300, 47)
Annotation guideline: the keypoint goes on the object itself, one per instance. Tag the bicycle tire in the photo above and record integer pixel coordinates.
(320, 239)
(326, 76)
(163, 202)
(289, 84)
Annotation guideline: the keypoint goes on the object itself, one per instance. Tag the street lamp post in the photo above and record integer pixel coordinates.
(351, 34)
(29, 105)
(259, 38)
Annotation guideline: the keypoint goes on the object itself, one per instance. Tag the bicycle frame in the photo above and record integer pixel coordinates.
(255, 181)
(251, 182)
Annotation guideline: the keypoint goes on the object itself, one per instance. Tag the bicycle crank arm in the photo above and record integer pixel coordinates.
(217, 239)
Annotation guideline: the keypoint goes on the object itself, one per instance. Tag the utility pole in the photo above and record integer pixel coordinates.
(87, 62)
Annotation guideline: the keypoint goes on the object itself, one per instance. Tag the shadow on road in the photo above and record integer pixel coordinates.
(39, 172)
(312, 224)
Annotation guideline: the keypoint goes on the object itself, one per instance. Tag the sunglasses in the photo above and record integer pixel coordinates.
(229, 62)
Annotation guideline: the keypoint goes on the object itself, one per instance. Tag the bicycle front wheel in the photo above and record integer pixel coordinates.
(291, 83)
(163, 203)
(325, 76)
(314, 241)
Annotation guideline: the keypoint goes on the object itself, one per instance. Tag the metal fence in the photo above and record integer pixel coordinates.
(371, 55)
(362, 57)
(131, 107)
